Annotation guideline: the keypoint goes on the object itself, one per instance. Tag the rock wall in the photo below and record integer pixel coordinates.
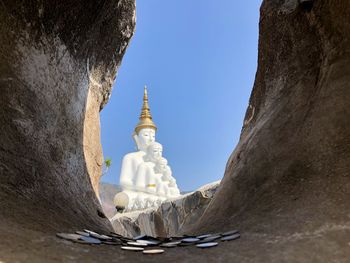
(287, 184)
(58, 61)
(170, 219)
(107, 193)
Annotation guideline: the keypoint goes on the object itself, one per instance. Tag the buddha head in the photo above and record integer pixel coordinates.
(146, 129)
(143, 138)
(161, 165)
(154, 152)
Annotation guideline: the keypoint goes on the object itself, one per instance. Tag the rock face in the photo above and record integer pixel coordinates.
(107, 193)
(58, 61)
(169, 219)
(287, 183)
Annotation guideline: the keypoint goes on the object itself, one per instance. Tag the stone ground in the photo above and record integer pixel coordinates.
(328, 243)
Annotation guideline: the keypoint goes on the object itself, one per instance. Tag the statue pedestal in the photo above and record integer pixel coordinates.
(129, 200)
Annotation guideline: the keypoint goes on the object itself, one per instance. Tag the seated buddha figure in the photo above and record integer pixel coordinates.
(146, 179)
(162, 186)
(131, 161)
(169, 181)
(143, 135)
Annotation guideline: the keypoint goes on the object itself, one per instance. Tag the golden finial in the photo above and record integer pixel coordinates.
(145, 117)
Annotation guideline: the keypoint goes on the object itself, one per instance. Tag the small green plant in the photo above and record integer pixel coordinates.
(107, 164)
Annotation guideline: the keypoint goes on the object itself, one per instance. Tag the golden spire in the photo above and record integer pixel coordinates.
(145, 117)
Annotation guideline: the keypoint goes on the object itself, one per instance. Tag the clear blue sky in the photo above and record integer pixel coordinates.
(198, 59)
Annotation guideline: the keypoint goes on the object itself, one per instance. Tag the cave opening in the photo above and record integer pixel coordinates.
(199, 99)
(286, 185)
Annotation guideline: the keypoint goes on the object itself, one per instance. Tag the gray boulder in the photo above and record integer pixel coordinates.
(169, 219)
(58, 61)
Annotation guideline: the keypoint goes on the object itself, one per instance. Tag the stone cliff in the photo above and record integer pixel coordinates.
(287, 184)
(58, 61)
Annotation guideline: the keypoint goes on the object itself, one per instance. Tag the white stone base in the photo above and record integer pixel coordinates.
(131, 200)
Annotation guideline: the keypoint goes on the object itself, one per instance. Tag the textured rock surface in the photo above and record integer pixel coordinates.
(170, 218)
(58, 61)
(287, 184)
(107, 193)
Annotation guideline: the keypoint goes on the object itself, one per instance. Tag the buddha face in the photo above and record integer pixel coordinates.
(162, 163)
(154, 151)
(144, 138)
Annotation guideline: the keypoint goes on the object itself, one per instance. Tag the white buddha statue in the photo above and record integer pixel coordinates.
(171, 187)
(145, 177)
(160, 169)
(143, 135)
(132, 160)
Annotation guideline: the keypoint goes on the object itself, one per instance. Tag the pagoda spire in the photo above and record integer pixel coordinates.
(145, 116)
